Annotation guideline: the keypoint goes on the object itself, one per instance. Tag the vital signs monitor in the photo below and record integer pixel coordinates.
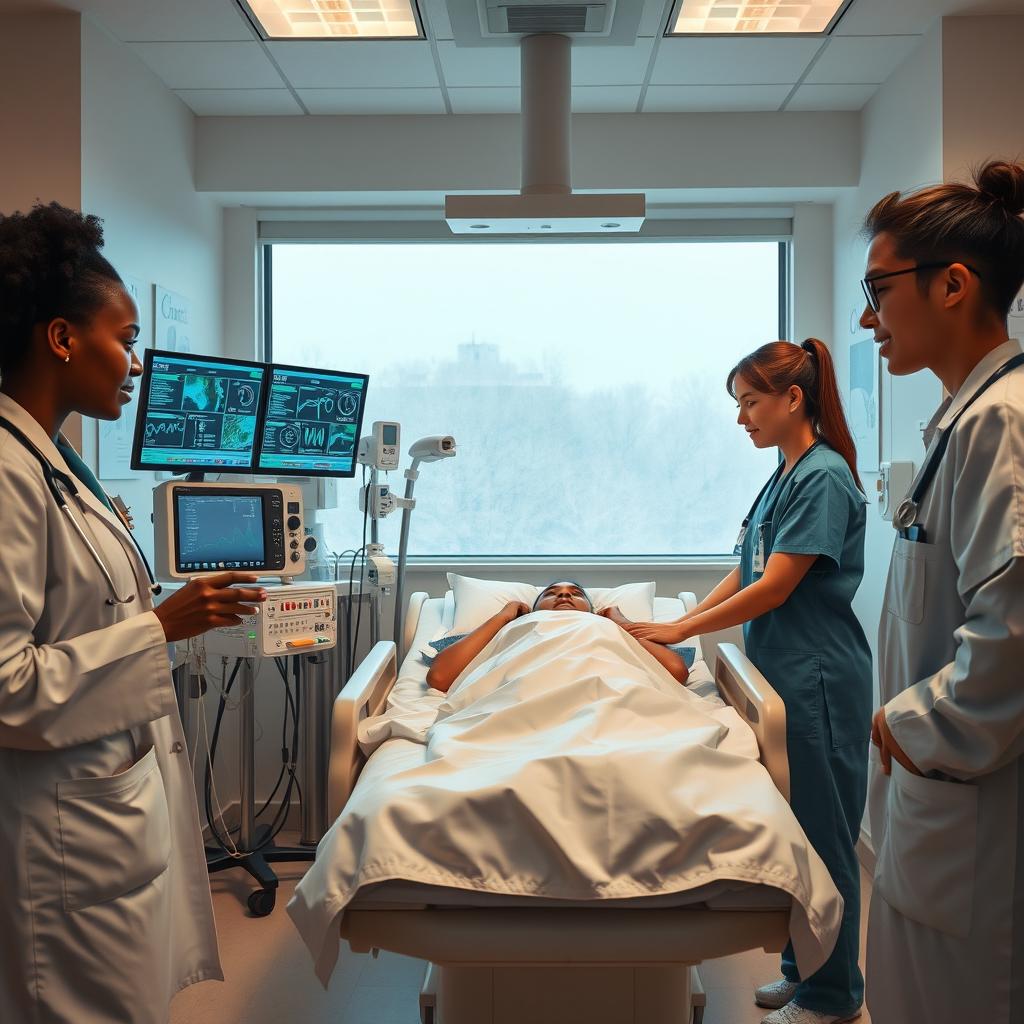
(198, 413)
(312, 422)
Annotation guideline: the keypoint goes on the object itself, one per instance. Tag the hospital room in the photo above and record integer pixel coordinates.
(513, 511)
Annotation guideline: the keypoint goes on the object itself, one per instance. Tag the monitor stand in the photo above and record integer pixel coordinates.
(256, 848)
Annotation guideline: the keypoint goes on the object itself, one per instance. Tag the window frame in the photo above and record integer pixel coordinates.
(359, 233)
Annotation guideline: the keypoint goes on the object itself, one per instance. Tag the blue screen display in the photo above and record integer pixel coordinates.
(199, 413)
(219, 532)
(312, 422)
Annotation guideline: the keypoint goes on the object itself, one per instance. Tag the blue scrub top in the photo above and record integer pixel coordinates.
(812, 649)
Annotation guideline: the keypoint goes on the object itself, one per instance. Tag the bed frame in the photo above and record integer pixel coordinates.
(551, 965)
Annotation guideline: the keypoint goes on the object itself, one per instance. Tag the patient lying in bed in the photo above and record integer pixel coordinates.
(565, 596)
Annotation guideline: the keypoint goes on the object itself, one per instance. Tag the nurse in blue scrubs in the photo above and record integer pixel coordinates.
(801, 561)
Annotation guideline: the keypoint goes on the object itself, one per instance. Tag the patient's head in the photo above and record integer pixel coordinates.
(566, 596)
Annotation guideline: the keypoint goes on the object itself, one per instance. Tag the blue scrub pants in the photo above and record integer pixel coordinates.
(828, 791)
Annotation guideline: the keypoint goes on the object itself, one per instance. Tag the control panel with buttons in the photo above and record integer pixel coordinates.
(299, 618)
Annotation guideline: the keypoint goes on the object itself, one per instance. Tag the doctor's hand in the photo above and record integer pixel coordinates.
(658, 632)
(206, 603)
(888, 748)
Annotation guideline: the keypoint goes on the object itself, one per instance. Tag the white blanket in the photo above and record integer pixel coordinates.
(567, 763)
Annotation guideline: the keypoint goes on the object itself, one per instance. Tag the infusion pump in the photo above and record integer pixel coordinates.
(204, 528)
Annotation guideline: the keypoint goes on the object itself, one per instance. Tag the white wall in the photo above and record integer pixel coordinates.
(40, 110)
(138, 151)
(901, 149)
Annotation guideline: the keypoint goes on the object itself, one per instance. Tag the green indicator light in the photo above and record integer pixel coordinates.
(252, 636)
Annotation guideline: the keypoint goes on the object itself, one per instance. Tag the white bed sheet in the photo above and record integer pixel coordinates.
(398, 763)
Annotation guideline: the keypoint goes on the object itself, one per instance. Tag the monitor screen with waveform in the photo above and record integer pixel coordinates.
(312, 422)
(198, 413)
(220, 532)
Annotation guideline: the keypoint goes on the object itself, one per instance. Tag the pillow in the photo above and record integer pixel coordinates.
(477, 600)
(634, 600)
(688, 654)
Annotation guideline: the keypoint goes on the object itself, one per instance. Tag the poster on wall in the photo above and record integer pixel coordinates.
(1015, 323)
(114, 437)
(172, 321)
(864, 403)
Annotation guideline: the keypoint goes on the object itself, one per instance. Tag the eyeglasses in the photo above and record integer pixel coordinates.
(871, 293)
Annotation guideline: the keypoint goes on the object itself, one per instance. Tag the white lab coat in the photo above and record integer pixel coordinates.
(105, 907)
(946, 932)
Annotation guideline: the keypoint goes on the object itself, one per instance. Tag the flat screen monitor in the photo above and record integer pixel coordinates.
(313, 420)
(198, 413)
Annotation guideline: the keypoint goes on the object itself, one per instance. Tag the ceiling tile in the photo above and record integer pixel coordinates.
(160, 21)
(239, 102)
(373, 101)
(335, 64)
(612, 65)
(436, 14)
(713, 98)
(472, 66)
(605, 99)
(653, 19)
(485, 101)
(716, 61)
(832, 97)
(210, 65)
(884, 17)
(861, 59)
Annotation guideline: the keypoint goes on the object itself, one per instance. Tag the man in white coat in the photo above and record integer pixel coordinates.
(946, 931)
(105, 907)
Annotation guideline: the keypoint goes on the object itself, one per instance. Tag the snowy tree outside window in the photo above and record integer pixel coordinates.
(584, 384)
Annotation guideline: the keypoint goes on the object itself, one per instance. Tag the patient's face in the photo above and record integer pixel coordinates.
(563, 597)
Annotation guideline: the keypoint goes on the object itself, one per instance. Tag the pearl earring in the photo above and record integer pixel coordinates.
(67, 359)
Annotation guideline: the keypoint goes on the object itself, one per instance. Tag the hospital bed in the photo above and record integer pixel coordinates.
(496, 959)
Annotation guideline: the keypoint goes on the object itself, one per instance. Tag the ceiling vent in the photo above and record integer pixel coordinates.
(546, 203)
(509, 17)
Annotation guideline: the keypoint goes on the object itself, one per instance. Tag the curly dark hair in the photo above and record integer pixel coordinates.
(979, 223)
(50, 266)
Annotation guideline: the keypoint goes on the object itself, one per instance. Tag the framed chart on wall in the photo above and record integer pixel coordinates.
(864, 403)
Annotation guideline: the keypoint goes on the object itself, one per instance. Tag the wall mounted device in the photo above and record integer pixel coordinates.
(213, 527)
(198, 413)
(379, 449)
(894, 480)
(298, 618)
(312, 424)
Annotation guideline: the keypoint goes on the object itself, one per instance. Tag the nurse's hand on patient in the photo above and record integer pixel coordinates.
(658, 632)
(888, 748)
(206, 603)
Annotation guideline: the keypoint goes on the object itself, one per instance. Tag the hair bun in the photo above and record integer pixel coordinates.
(1003, 182)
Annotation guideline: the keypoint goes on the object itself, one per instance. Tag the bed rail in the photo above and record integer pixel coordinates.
(742, 685)
(362, 696)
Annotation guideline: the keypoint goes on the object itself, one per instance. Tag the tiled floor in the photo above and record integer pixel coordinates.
(270, 980)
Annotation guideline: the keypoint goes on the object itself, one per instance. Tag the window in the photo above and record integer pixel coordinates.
(584, 384)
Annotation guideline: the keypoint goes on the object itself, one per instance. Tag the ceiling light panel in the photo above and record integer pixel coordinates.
(754, 17)
(335, 19)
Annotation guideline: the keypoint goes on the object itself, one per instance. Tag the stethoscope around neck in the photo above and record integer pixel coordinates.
(56, 479)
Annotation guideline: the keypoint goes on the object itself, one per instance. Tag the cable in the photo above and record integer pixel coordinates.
(210, 785)
(362, 577)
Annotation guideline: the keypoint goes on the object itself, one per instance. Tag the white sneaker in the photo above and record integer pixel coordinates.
(793, 1014)
(775, 994)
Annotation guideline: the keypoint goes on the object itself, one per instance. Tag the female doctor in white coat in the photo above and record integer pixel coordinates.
(946, 931)
(105, 906)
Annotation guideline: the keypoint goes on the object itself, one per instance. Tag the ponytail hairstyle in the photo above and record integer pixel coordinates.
(777, 366)
(978, 224)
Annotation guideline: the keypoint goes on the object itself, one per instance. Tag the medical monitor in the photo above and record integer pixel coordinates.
(198, 413)
(204, 528)
(312, 423)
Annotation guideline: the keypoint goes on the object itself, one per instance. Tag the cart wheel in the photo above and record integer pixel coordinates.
(261, 902)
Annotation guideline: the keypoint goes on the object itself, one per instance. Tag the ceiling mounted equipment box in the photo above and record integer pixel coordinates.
(576, 213)
(527, 17)
(546, 203)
